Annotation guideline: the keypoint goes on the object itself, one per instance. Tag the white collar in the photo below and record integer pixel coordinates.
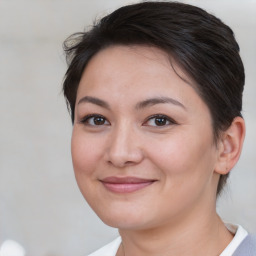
(109, 249)
(240, 234)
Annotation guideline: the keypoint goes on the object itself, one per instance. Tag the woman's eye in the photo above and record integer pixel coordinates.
(94, 120)
(159, 120)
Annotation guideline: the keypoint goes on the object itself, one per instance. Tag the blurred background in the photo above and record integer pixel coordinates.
(40, 205)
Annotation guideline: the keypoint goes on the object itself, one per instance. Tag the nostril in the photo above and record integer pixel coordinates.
(121, 163)
(129, 163)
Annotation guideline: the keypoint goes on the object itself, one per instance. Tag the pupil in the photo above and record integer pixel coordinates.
(99, 120)
(160, 121)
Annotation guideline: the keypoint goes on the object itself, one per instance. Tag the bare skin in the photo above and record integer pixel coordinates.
(144, 155)
(192, 240)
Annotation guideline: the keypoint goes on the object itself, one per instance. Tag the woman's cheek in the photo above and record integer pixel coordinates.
(79, 152)
(85, 153)
(169, 153)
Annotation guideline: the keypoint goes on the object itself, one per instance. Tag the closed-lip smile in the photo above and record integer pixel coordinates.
(125, 184)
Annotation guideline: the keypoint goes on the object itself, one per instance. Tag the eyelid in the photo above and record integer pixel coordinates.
(85, 119)
(169, 119)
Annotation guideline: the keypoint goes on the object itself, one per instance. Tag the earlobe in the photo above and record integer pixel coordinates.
(230, 146)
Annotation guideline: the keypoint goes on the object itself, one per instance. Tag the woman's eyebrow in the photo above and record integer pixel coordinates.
(95, 101)
(158, 100)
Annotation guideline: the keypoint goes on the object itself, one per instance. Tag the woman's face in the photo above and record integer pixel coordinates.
(142, 144)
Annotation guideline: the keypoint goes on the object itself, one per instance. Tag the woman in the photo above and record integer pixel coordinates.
(155, 95)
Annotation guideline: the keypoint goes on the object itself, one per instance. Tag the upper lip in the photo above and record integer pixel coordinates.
(126, 180)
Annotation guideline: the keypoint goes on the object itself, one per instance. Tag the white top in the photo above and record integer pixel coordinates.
(109, 249)
(240, 233)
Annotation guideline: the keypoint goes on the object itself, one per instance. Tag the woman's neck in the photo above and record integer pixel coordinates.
(204, 236)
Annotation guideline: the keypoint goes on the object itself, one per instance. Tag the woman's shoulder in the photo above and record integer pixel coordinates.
(244, 245)
(247, 247)
(109, 249)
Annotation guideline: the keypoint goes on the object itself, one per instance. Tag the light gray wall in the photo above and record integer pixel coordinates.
(40, 205)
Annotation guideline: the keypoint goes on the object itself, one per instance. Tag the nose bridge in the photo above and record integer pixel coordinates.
(124, 146)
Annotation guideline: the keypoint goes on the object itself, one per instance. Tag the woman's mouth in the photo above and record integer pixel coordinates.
(125, 184)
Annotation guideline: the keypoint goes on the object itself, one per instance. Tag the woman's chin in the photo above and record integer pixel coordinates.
(122, 225)
(124, 221)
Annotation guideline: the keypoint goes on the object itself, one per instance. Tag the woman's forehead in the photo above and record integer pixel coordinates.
(144, 62)
(129, 75)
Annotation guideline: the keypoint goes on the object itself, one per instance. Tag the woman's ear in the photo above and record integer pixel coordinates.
(230, 146)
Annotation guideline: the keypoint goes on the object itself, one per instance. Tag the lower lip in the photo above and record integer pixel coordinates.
(126, 187)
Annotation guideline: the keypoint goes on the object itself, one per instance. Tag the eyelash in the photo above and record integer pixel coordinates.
(160, 116)
(167, 120)
(87, 118)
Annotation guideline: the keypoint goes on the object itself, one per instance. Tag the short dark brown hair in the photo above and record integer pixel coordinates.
(201, 44)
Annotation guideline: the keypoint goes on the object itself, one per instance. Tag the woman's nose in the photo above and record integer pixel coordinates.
(124, 147)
